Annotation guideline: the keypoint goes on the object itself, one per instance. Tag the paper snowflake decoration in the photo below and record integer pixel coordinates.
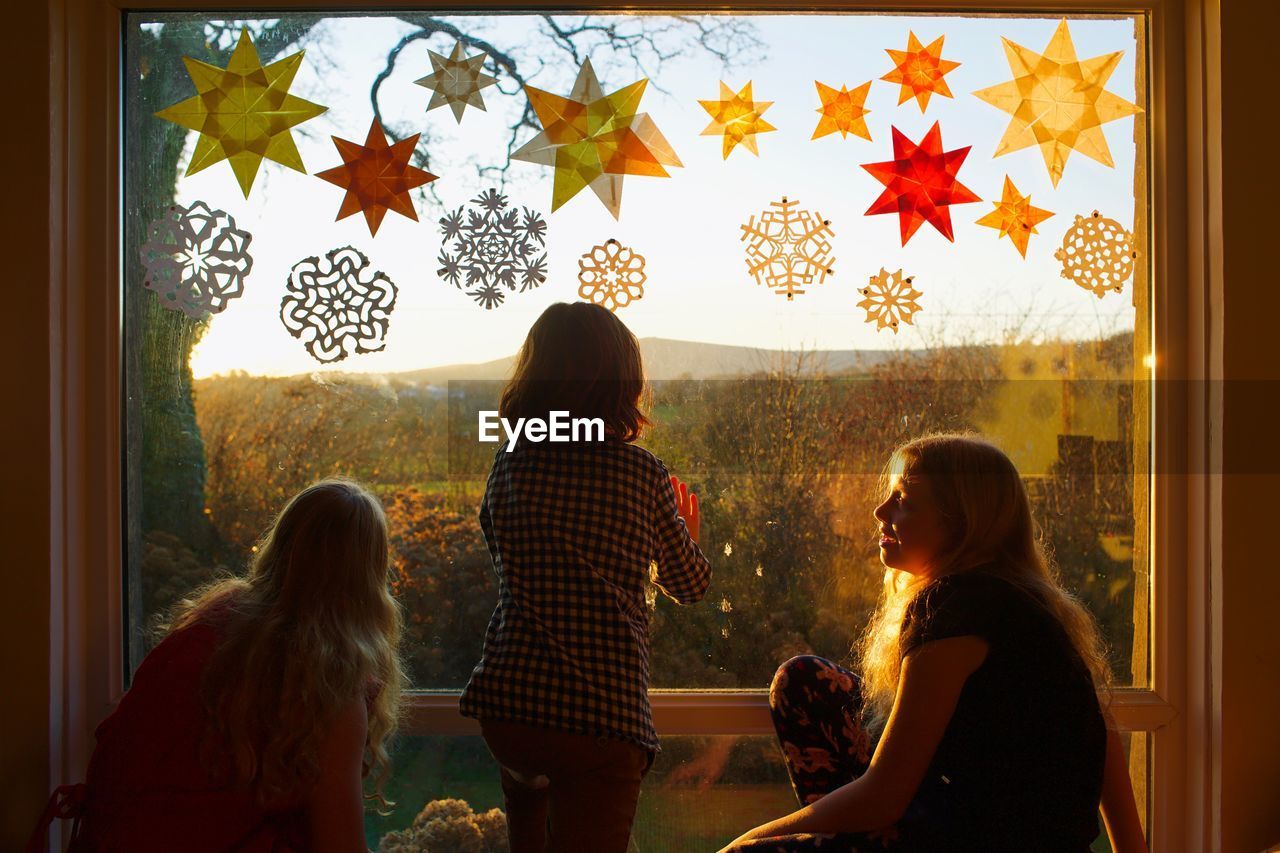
(196, 259)
(737, 118)
(493, 247)
(1097, 254)
(377, 177)
(338, 305)
(1014, 217)
(456, 80)
(243, 112)
(921, 183)
(889, 300)
(611, 275)
(920, 71)
(1058, 102)
(592, 140)
(842, 110)
(788, 249)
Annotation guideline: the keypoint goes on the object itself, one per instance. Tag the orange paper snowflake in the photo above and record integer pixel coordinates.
(737, 118)
(1097, 254)
(842, 110)
(1014, 217)
(788, 249)
(890, 300)
(611, 275)
(377, 177)
(920, 70)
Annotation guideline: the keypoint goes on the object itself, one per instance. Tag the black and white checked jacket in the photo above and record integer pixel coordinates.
(576, 532)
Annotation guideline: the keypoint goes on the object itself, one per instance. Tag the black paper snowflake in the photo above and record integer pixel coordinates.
(492, 248)
(196, 259)
(338, 305)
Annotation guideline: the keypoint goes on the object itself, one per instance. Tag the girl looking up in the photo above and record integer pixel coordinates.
(979, 676)
(577, 531)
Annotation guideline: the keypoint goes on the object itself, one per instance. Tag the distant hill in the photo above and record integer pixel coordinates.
(668, 359)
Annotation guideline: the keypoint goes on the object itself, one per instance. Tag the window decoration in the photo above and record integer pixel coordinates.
(493, 247)
(890, 299)
(842, 110)
(920, 71)
(1097, 254)
(611, 275)
(593, 140)
(196, 259)
(456, 80)
(1014, 217)
(1058, 102)
(737, 118)
(377, 177)
(789, 248)
(338, 305)
(243, 112)
(920, 183)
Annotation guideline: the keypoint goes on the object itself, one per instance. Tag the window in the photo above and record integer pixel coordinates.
(779, 407)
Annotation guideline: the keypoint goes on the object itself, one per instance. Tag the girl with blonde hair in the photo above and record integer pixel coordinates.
(974, 723)
(253, 723)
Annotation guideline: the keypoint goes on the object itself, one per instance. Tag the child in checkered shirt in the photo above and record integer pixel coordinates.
(577, 531)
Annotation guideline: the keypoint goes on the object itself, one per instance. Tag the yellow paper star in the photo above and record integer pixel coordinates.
(842, 110)
(1015, 217)
(737, 118)
(243, 112)
(1058, 102)
(593, 140)
(456, 81)
(920, 70)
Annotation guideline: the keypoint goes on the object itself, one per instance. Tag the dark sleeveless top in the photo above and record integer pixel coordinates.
(1020, 765)
(148, 787)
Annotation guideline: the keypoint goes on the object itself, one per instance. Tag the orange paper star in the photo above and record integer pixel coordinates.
(842, 110)
(1058, 102)
(1014, 217)
(377, 177)
(920, 183)
(737, 118)
(593, 140)
(920, 70)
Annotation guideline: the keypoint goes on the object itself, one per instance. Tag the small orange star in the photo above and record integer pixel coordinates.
(377, 176)
(737, 118)
(842, 110)
(1015, 217)
(920, 71)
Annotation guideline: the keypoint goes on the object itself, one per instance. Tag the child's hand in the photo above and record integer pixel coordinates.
(687, 507)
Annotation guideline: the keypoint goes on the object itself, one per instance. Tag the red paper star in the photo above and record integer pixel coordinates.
(377, 177)
(920, 182)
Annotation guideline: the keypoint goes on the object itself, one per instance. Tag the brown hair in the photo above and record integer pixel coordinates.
(983, 504)
(580, 359)
(310, 629)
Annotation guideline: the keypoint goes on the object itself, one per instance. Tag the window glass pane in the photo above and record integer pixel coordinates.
(779, 411)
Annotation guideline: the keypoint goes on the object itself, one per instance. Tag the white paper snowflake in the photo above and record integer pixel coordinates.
(1097, 254)
(338, 305)
(611, 275)
(196, 259)
(890, 300)
(493, 248)
(788, 249)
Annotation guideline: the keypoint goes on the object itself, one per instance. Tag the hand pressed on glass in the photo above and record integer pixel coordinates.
(687, 507)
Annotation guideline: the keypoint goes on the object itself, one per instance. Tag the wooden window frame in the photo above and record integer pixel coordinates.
(1181, 709)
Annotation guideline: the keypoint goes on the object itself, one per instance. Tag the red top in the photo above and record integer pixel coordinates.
(148, 788)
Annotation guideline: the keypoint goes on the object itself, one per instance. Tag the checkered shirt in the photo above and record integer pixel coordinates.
(577, 532)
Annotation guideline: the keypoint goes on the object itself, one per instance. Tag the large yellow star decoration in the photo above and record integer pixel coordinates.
(456, 80)
(842, 110)
(737, 118)
(920, 70)
(1014, 217)
(593, 140)
(243, 112)
(1058, 102)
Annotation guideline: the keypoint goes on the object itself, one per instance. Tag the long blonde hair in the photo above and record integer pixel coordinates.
(311, 628)
(983, 503)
